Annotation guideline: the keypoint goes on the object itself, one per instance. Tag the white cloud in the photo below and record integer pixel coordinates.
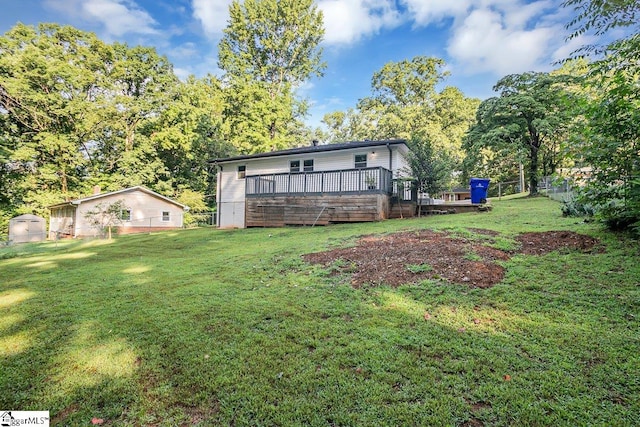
(522, 15)
(212, 14)
(425, 12)
(347, 21)
(186, 50)
(182, 73)
(487, 41)
(497, 36)
(117, 17)
(567, 49)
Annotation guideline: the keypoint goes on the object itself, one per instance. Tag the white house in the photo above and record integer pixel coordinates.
(317, 184)
(144, 210)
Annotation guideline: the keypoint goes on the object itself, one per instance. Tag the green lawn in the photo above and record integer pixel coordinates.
(211, 327)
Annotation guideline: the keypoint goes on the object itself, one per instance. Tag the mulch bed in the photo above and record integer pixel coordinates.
(411, 257)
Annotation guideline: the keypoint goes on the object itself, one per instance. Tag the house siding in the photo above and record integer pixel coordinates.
(146, 214)
(231, 200)
(62, 222)
(232, 207)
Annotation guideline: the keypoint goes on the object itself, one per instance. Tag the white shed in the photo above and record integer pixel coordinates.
(27, 228)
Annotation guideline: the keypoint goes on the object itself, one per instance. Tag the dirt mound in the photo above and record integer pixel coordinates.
(411, 257)
(543, 243)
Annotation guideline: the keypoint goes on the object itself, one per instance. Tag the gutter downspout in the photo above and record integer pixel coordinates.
(390, 166)
(218, 204)
(75, 219)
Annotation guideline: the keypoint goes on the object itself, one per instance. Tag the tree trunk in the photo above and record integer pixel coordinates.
(63, 183)
(272, 135)
(533, 170)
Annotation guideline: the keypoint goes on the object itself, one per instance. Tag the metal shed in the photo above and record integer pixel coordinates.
(27, 228)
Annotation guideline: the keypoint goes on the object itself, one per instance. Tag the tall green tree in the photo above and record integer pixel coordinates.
(269, 49)
(405, 102)
(403, 96)
(350, 125)
(76, 112)
(51, 103)
(524, 120)
(189, 132)
(609, 138)
(141, 86)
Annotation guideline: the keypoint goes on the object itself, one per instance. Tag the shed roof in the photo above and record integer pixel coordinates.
(314, 149)
(27, 217)
(112, 193)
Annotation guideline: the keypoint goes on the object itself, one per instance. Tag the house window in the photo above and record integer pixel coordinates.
(125, 215)
(294, 166)
(308, 165)
(242, 171)
(165, 216)
(361, 161)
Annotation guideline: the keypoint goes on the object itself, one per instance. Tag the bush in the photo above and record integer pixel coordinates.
(576, 207)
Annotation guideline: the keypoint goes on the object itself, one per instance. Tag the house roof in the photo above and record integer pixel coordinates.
(314, 149)
(112, 193)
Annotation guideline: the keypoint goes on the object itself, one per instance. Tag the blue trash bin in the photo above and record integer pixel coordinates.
(479, 188)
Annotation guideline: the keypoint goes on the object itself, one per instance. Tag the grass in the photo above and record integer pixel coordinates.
(419, 268)
(211, 327)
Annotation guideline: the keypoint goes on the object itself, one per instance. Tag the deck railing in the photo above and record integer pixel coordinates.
(346, 181)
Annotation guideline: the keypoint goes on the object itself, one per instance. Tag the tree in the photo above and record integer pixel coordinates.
(601, 16)
(189, 132)
(77, 112)
(431, 169)
(405, 102)
(609, 137)
(51, 102)
(258, 122)
(269, 48)
(523, 120)
(104, 216)
(141, 86)
(350, 125)
(403, 96)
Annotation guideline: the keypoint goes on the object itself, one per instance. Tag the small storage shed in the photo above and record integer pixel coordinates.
(27, 228)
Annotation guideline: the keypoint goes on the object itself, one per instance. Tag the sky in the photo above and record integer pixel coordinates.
(480, 40)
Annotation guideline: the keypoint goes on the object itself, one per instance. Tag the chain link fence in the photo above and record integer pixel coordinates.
(556, 189)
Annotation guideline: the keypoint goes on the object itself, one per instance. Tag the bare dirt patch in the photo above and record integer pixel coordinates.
(542, 243)
(415, 256)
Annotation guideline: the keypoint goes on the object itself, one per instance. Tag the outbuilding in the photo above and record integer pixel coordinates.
(27, 228)
(142, 210)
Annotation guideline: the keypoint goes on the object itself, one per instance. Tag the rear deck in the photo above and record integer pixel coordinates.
(325, 197)
(328, 197)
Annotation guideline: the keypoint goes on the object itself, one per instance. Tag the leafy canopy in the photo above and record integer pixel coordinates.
(269, 49)
(527, 116)
(608, 139)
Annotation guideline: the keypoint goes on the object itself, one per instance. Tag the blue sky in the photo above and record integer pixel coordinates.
(481, 40)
